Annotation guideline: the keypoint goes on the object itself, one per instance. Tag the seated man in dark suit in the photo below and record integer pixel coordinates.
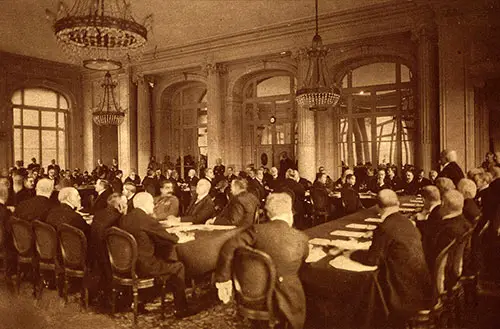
(39, 206)
(320, 196)
(153, 241)
(471, 209)
(450, 168)
(299, 193)
(397, 249)
(242, 206)
(452, 225)
(379, 183)
(349, 196)
(117, 183)
(410, 186)
(421, 181)
(129, 191)
(103, 189)
(201, 207)
(28, 190)
(65, 213)
(287, 247)
(166, 204)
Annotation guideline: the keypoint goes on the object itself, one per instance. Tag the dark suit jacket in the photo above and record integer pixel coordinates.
(397, 249)
(101, 201)
(453, 172)
(149, 235)
(130, 203)
(288, 248)
(375, 187)
(256, 188)
(299, 195)
(151, 185)
(319, 197)
(63, 214)
(136, 180)
(200, 212)
(117, 185)
(240, 210)
(411, 188)
(471, 210)
(37, 207)
(350, 200)
(25, 194)
(395, 183)
(423, 183)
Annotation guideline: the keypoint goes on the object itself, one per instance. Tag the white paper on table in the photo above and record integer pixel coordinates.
(315, 254)
(374, 220)
(368, 227)
(345, 263)
(350, 234)
(403, 209)
(199, 227)
(185, 238)
(320, 242)
(351, 244)
(411, 205)
(366, 196)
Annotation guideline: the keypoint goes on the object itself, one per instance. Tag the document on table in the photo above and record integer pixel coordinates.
(183, 238)
(320, 242)
(374, 220)
(349, 234)
(315, 254)
(366, 196)
(344, 262)
(368, 227)
(351, 244)
(413, 205)
(199, 227)
(403, 209)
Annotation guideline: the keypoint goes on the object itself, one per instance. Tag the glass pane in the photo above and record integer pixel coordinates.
(16, 98)
(62, 149)
(30, 118)
(361, 102)
(407, 100)
(17, 117)
(405, 73)
(204, 151)
(193, 95)
(61, 123)
(386, 128)
(31, 144)
(407, 152)
(343, 130)
(202, 137)
(48, 119)
(266, 135)
(40, 97)
(362, 129)
(202, 119)
(63, 103)
(284, 110)
(17, 144)
(374, 74)
(265, 110)
(274, 86)
(284, 133)
(387, 152)
(408, 125)
(362, 152)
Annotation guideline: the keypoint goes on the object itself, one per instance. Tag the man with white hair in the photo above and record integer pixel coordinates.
(153, 241)
(450, 167)
(39, 206)
(200, 209)
(287, 247)
(397, 248)
(451, 226)
(65, 213)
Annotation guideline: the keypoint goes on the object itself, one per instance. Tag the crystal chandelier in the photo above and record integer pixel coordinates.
(317, 93)
(108, 113)
(102, 34)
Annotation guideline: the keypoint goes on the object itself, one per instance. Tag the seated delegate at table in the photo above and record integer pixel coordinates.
(471, 209)
(397, 249)
(421, 181)
(166, 204)
(410, 186)
(242, 206)
(129, 191)
(39, 206)
(319, 195)
(452, 225)
(65, 212)
(287, 247)
(151, 237)
(349, 196)
(201, 207)
(103, 190)
(379, 183)
(395, 183)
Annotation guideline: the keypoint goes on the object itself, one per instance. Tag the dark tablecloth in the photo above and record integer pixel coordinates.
(344, 299)
(200, 255)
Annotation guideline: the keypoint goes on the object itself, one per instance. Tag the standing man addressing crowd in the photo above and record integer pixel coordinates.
(287, 247)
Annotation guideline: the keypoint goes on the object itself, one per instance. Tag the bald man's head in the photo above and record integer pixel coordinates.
(203, 187)
(279, 206)
(444, 184)
(70, 196)
(144, 201)
(387, 198)
(44, 187)
(448, 156)
(452, 202)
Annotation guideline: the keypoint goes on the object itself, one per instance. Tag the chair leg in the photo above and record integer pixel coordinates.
(136, 303)
(85, 298)
(65, 288)
(113, 299)
(193, 286)
(162, 296)
(18, 277)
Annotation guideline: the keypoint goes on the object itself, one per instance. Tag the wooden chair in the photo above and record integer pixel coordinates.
(319, 202)
(46, 251)
(254, 278)
(73, 247)
(469, 278)
(437, 314)
(22, 235)
(122, 251)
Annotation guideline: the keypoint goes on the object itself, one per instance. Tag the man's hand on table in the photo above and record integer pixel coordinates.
(224, 290)
(210, 221)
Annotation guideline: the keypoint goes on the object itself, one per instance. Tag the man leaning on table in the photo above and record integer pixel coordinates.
(287, 247)
(397, 250)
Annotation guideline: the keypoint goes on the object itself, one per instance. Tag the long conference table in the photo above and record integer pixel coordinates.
(344, 298)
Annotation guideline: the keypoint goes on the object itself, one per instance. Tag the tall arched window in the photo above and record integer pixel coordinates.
(269, 97)
(189, 125)
(40, 122)
(377, 114)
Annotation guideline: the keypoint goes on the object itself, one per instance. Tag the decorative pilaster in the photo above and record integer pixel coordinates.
(306, 145)
(88, 125)
(214, 125)
(427, 149)
(143, 125)
(125, 129)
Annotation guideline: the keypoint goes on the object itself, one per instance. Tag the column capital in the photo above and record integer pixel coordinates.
(425, 30)
(215, 68)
